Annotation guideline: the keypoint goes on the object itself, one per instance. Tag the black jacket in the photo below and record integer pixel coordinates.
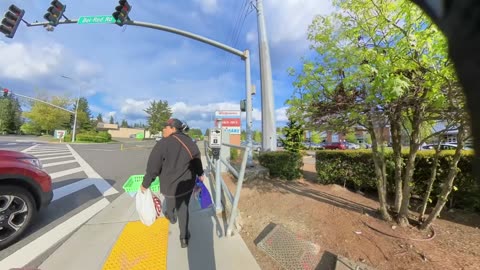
(170, 161)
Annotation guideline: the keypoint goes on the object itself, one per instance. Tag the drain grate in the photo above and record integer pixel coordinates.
(287, 248)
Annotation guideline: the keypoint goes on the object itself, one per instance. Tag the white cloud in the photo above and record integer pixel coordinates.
(208, 6)
(85, 68)
(281, 114)
(288, 20)
(20, 61)
(252, 37)
(132, 107)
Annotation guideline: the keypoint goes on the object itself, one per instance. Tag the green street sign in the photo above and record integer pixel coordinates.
(96, 19)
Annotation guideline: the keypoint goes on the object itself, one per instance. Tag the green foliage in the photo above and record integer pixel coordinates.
(207, 132)
(10, 115)
(234, 154)
(124, 124)
(350, 137)
(83, 115)
(315, 138)
(257, 136)
(283, 164)
(195, 133)
(293, 136)
(47, 118)
(158, 113)
(356, 169)
(112, 121)
(100, 118)
(92, 136)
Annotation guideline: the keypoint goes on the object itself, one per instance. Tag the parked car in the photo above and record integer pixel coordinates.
(444, 146)
(352, 145)
(335, 145)
(25, 189)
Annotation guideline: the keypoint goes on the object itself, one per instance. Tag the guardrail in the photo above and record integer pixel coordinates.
(214, 166)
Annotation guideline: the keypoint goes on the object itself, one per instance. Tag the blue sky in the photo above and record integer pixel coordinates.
(121, 69)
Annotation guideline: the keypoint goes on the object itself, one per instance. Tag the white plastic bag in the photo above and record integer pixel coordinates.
(145, 207)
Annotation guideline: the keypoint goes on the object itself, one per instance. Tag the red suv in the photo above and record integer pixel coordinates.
(25, 188)
(336, 145)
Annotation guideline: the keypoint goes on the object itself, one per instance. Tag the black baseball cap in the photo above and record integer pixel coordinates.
(174, 122)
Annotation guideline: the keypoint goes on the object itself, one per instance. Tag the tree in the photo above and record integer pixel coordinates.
(83, 115)
(158, 113)
(48, 118)
(207, 132)
(112, 121)
(100, 118)
(10, 115)
(378, 63)
(293, 136)
(195, 133)
(315, 137)
(350, 137)
(257, 136)
(124, 124)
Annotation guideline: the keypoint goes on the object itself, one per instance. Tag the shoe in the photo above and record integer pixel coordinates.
(184, 243)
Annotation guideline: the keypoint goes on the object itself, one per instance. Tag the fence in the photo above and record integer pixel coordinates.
(219, 183)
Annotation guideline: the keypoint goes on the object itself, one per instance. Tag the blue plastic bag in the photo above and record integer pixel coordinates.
(202, 195)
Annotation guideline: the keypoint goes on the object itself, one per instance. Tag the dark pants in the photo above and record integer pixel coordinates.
(180, 206)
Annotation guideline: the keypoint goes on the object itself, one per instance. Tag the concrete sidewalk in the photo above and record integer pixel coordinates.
(90, 246)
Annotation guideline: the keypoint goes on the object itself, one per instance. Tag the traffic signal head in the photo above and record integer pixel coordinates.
(54, 12)
(243, 105)
(11, 20)
(121, 12)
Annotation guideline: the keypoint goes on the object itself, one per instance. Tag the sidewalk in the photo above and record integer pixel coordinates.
(91, 245)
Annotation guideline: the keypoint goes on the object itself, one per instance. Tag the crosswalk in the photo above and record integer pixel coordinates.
(74, 202)
(63, 163)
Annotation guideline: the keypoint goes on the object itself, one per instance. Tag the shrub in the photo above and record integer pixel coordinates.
(283, 164)
(355, 169)
(92, 136)
(233, 154)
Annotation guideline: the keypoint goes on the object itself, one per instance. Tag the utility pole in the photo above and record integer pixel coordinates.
(269, 131)
(74, 132)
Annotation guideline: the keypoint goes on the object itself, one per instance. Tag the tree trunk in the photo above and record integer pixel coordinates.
(380, 172)
(395, 119)
(447, 187)
(410, 166)
(431, 181)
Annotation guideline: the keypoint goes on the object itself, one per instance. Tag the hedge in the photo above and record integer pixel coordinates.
(92, 136)
(355, 168)
(283, 164)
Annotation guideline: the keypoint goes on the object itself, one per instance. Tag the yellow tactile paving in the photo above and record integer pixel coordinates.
(140, 247)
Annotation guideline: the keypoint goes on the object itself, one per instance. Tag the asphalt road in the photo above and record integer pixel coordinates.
(82, 175)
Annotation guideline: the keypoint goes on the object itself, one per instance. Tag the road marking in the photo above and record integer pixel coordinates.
(51, 154)
(29, 148)
(12, 143)
(58, 163)
(59, 157)
(103, 186)
(40, 150)
(65, 172)
(29, 252)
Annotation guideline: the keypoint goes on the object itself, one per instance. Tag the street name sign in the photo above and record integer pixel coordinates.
(96, 19)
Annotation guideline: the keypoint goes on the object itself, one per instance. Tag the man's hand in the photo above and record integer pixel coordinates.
(142, 189)
(202, 178)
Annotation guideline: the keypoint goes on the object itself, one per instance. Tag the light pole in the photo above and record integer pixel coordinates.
(76, 111)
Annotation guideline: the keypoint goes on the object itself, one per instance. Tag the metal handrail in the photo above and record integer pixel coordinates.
(234, 200)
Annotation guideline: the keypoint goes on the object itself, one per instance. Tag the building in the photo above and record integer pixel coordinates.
(119, 132)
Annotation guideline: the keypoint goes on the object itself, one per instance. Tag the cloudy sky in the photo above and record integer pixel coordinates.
(120, 70)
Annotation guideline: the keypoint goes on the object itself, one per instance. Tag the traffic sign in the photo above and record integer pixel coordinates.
(96, 19)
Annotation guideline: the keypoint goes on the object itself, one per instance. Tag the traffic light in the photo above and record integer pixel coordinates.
(11, 20)
(54, 12)
(243, 105)
(121, 13)
(5, 92)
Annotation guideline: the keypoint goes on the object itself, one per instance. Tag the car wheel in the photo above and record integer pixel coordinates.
(17, 209)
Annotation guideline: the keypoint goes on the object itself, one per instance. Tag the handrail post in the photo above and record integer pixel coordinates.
(233, 215)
